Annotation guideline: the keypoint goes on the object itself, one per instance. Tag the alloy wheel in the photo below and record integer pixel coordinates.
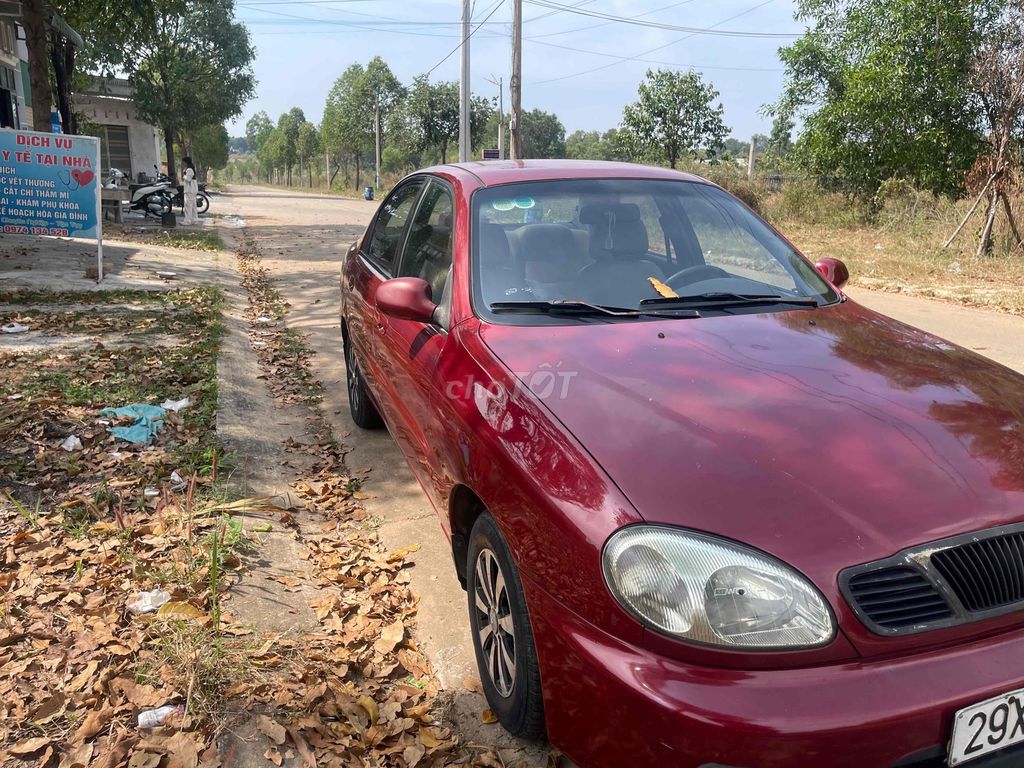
(352, 378)
(496, 628)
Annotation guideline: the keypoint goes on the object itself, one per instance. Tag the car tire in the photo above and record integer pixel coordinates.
(502, 636)
(364, 412)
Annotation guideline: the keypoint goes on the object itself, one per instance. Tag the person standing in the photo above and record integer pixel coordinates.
(191, 191)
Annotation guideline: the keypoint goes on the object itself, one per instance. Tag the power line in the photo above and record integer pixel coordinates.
(655, 61)
(623, 59)
(607, 23)
(552, 13)
(661, 25)
(471, 33)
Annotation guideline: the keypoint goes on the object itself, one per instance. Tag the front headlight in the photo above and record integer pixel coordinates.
(710, 590)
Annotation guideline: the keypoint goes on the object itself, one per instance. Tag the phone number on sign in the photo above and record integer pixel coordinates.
(11, 229)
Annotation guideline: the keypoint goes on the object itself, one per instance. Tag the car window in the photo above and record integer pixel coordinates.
(621, 242)
(389, 225)
(726, 243)
(428, 249)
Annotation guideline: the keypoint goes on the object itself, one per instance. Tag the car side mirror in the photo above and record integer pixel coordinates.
(833, 270)
(407, 298)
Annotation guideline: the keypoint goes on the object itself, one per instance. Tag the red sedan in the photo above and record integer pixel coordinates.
(708, 511)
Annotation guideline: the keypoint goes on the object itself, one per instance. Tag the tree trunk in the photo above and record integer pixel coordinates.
(309, 168)
(33, 19)
(444, 153)
(169, 147)
(357, 171)
(330, 182)
(62, 57)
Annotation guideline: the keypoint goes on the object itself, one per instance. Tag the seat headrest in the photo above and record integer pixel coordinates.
(547, 252)
(494, 249)
(616, 230)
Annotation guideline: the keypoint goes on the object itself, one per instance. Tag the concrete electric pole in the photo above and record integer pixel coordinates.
(376, 124)
(515, 83)
(501, 114)
(750, 157)
(465, 141)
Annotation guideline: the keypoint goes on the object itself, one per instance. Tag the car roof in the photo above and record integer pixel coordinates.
(493, 172)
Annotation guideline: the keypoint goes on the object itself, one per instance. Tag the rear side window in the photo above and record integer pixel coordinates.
(389, 226)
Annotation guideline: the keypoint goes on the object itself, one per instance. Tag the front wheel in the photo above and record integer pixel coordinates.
(364, 412)
(502, 636)
(202, 203)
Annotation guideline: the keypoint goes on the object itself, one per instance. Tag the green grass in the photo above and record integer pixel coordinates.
(200, 241)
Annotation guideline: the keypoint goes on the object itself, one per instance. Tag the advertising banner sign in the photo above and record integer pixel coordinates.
(50, 185)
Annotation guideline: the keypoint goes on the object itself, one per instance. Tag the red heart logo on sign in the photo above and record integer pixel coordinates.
(82, 177)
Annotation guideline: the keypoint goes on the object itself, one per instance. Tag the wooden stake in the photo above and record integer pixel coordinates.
(1013, 222)
(986, 233)
(967, 217)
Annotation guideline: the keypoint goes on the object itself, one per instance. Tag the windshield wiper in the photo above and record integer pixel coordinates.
(582, 308)
(724, 298)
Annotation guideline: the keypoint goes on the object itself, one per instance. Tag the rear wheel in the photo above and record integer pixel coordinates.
(202, 203)
(502, 636)
(364, 412)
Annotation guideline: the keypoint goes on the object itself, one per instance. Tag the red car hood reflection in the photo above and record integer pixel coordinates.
(827, 437)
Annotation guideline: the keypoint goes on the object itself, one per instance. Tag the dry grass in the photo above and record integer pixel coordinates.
(897, 245)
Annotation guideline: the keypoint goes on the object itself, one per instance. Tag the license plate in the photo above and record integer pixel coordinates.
(984, 728)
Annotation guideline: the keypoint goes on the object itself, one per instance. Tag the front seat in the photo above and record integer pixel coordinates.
(619, 247)
(549, 260)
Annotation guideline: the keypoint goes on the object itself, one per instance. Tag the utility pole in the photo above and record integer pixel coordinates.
(515, 83)
(501, 114)
(465, 141)
(376, 122)
(750, 157)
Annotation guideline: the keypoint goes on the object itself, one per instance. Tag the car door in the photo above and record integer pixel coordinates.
(414, 347)
(376, 262)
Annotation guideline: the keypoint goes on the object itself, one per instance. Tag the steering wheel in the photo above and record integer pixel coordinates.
(695, 274)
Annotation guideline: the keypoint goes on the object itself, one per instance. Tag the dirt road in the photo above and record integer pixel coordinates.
(304, 238)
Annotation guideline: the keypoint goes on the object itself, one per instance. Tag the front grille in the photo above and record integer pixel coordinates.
(897, 597)
(985, 574)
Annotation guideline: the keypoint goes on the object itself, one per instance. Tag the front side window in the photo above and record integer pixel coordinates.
(428, 249)
(389, 226)
(629, 244)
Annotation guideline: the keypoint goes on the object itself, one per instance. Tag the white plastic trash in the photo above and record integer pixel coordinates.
(147, 602)
(175, 405)
(14, 328)
(71, 443)
(151, 718)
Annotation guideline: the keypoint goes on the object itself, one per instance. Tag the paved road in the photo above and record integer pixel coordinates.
(304, 238)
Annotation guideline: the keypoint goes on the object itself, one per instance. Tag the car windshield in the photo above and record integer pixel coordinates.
(629, 244)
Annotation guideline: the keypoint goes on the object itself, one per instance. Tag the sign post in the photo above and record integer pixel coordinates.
(50, 185)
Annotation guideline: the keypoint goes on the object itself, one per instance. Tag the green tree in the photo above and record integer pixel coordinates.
(431, 115)
(257, 129)
(675, 116)
(289, 124)
(343, 128)
(883, 89)
(193, 69)
(543, 134)
(210, 147)
(307, 147)
(780, 142)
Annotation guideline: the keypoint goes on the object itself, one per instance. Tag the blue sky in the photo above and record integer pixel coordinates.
(302, 47)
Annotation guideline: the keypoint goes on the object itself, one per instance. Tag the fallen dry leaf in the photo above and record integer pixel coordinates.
(487, 716)
(271, 729)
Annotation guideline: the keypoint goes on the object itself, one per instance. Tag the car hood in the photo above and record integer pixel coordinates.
(826, 437)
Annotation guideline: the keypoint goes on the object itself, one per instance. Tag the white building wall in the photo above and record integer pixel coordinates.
(143, 138)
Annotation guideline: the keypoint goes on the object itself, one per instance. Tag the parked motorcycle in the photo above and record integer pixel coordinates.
(153, 199)
(178, 200)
